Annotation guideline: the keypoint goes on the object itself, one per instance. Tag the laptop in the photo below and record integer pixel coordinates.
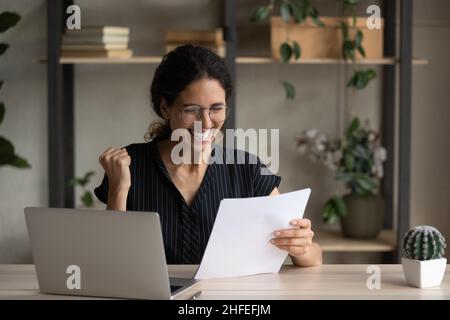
(102, 253)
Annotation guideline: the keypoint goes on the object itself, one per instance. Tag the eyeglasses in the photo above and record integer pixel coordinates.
(217, 113)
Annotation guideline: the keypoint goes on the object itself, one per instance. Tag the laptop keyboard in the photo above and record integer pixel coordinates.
(174, 288)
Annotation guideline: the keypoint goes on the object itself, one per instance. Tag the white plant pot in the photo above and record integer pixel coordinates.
(424, 274)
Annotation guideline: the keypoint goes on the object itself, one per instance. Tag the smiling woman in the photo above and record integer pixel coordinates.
(191, 88)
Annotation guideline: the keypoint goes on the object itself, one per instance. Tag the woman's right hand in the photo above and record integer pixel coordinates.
(116, 163)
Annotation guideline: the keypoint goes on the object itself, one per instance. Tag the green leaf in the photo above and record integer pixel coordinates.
(297, 12)
(87, 199)
(360, 152)
(20, 162)
(358, 38)
(260, 14)
(329, 212)
(348, 49)
(349, 162)
(344, 28)
(285, 52)
(341, 208)
(318, 22)
(361, 51)
(6, 149)
(343, 176)
(8, 20)
(333, 209)
(354, 125)
(371, 74)
(72, 182)
(314, 14)
(297, 50)
(289, 89)
(285, 11)
(8, 156)
(365, 183)
(3, 47)
(351, 2)
(88, 175)
(2, 111)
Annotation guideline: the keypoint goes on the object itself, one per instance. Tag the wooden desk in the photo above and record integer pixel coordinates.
(324, 282)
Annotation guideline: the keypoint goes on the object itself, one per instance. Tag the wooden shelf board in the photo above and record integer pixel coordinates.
(334, 241)
(381, 61)
(239, 60)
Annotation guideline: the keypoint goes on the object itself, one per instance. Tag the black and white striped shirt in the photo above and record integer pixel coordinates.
(152, 190)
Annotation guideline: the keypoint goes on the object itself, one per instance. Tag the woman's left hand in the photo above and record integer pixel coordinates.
(296, 240)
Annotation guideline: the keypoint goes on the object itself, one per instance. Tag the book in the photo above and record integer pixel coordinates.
(99, 30)
(94, 47)
(219, 50)
(96, 54)
(206, 37)
(94, 39)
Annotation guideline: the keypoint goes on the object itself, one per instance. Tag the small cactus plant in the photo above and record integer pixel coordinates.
(424, 243)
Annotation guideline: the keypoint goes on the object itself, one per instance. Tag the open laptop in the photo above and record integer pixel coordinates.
(101, 253)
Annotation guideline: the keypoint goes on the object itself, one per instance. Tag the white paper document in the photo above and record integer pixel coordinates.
(240, 245)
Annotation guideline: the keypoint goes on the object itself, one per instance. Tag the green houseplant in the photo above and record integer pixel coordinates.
(86, 197)
(423, 262)
(290, 10)
(8, 155)
(298, 12)
(357, 160)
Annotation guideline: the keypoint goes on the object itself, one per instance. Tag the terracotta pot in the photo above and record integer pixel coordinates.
(364, 218)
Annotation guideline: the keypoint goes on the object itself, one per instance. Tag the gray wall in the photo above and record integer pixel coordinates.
(25, 95)
(112, 104)
(430, 190)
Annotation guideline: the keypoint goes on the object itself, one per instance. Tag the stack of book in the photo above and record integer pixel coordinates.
(96, 42)
(211, 39)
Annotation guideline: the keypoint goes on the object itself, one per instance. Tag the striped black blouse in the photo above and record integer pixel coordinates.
(185, 229)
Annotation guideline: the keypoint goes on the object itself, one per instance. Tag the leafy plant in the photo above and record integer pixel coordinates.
(8, 155)
(357, 160)
(360, 78)
(86, 197)
(290, 10)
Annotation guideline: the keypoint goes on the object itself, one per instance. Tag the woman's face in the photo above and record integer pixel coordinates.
(202, 100)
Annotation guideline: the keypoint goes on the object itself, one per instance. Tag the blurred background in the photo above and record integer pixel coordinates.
(67, 99)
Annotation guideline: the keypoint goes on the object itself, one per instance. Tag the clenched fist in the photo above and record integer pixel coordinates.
(116, 163)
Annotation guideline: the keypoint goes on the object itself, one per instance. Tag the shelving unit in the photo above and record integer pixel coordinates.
(61, 110)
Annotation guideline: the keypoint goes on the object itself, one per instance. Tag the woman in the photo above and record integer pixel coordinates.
(192, 84)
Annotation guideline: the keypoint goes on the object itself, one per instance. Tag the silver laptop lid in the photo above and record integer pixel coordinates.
(98, 252)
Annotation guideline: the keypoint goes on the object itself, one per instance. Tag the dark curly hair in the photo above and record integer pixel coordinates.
(179, 68)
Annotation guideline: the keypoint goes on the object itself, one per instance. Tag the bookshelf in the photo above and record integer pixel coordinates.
(397, 69)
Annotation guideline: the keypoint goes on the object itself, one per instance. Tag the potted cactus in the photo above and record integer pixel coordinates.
(424, 265)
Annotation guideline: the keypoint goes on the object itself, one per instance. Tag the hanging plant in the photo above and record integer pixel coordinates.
(350, 47)
(289, 10)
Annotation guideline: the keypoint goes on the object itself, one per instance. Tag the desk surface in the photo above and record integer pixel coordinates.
(323, 282)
